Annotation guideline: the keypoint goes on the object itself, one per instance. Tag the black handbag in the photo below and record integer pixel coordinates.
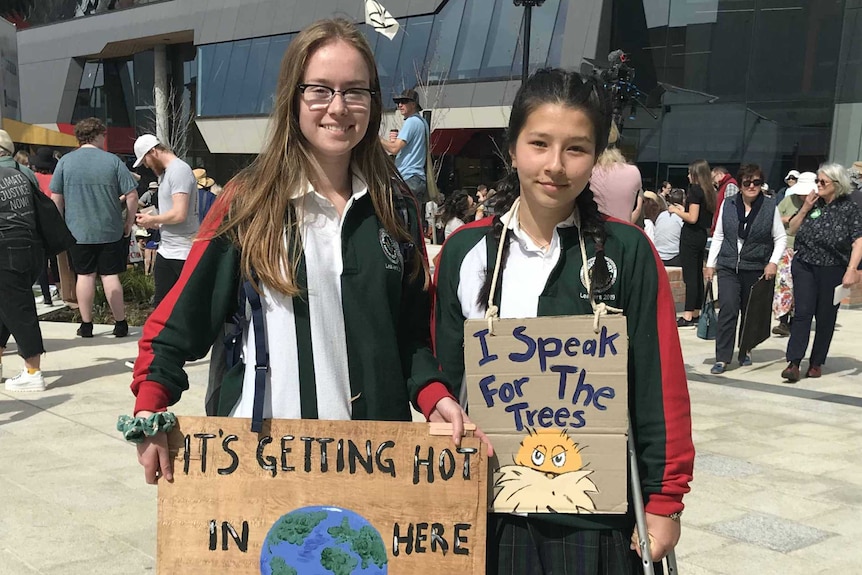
(707, 323)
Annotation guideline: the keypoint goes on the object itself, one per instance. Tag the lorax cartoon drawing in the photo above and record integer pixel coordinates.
(547, 476)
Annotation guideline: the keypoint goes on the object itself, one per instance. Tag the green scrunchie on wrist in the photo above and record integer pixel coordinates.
(137, 429)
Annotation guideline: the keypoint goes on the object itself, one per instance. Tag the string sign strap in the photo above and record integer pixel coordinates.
(493, 312)
(601, 308)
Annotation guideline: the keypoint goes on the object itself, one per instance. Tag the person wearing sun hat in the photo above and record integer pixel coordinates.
(782, 303)
(410, 146)
(206, 197)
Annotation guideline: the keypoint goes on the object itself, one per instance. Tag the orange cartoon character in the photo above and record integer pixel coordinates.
(547, 476)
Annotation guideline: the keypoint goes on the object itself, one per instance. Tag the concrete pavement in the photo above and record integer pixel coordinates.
(777, 489)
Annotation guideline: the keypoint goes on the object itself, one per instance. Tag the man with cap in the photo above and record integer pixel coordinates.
(177, 219)
(21, 260)
(206, 197)
(410, 146)
(789, 180)
(86, 187)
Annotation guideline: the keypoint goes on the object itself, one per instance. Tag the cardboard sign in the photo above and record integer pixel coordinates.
(307, 496)
(552, 395)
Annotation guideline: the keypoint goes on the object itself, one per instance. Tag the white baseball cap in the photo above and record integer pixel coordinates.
(143, 145)
(792, 173)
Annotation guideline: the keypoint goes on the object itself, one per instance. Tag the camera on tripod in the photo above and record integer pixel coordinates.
(618, 79)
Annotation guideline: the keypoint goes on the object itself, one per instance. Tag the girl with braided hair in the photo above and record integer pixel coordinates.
(558, 126)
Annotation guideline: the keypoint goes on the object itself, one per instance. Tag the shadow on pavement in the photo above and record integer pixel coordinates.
(23, 406)
(99, 368)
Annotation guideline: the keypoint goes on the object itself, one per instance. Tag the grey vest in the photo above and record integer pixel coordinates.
(757, 248)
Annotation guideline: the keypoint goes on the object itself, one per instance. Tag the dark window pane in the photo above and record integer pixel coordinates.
(444, 37)
(217, 59)
(503, 40)
(250, 93)
(277, 48)
(555, 52)
(387, 64)
(235, 77)
(850, 80)
(411, 62)
(471, 41)
(540, 41)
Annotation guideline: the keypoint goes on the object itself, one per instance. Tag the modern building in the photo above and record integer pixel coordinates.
(770, 81)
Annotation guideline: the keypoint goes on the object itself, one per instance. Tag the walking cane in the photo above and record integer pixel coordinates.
(640, 515)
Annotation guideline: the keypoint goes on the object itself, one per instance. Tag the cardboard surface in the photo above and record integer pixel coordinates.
(307, 496)
(552, 395)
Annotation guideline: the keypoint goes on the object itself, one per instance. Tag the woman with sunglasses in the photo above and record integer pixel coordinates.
(748, 242)
(828, 230)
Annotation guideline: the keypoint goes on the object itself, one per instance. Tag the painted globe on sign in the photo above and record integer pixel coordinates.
(323, 540)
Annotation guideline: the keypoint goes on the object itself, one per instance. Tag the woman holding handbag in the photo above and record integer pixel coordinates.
(748, 242)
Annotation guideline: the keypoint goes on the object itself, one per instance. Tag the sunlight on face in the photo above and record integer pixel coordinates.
(554, 155)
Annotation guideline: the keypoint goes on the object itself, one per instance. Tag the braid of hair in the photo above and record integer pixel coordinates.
(508, 190)
(593, 226)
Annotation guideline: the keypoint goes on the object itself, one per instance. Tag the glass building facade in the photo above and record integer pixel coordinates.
(464, 42)
(731, 81)
(27, 13)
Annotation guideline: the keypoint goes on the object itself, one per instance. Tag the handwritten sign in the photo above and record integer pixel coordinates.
(553, 396)
(306, 496)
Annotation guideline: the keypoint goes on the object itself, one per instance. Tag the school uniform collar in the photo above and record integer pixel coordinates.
(358, 186)
(512, 223)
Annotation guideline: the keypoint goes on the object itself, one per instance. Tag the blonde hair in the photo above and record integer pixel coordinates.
(287, 163)
(609, 157)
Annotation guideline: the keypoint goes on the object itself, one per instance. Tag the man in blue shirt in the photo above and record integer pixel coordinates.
(410, 146)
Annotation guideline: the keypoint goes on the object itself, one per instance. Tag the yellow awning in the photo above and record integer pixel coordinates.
(22, 133)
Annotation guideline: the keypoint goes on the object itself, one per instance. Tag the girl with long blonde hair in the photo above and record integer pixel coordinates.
(329, 238)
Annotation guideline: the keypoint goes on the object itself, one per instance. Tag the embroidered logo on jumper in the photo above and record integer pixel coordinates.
(390, 247)
(603, 287)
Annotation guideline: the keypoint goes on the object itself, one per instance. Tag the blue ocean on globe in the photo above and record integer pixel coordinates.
(323, 541)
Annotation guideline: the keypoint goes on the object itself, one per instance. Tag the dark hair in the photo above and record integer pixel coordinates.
(568, 89)
(457, 205)
(665, 184)
(89, 129)
(652, 209)
(676, 196)
(702, 176)
(748, 171)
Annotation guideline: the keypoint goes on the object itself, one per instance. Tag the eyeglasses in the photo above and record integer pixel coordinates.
(319, 97)
(791, 178)
(756, 183)
(822, 182)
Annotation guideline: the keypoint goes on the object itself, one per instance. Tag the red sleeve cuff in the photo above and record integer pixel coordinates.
(151, 397)
(661, 504)
(429, 395)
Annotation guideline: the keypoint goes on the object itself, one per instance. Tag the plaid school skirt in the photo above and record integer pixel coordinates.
(524, 546)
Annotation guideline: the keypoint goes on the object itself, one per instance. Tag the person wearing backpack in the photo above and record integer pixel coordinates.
(335, 266)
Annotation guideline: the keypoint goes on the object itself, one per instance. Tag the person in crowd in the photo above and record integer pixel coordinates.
(697, 215)
(617, 186)
(557, 129)
(665, 190)
(782, 303)
(481, 196)
(748, 242)
(828, 229)
(455, 212)
(206, 197)
(42, 163)
(725, 186)
(654, 206)
(790, 180)
(22, 257)
(85, 187)
(177, 219)
(410, 146)
(668, 228)
(332, 257)
(433, 224)
(22, 158)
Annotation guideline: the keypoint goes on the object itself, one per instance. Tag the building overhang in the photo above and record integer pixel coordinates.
(34, 135)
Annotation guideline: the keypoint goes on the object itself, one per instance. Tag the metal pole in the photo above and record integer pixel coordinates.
(528, 18)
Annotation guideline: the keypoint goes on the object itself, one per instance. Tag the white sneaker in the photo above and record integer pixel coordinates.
(26, 382)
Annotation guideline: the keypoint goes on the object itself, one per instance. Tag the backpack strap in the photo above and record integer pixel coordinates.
(261, 353)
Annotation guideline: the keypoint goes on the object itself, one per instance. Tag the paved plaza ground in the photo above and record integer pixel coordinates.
(777, 487)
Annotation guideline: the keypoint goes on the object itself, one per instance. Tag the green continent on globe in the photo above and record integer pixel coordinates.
(279, 567)
(366, 542)
(338, 561)
(295, 527)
